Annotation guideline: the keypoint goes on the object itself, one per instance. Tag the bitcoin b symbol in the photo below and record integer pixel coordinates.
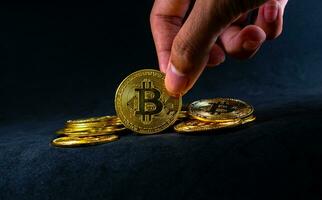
(149, 103)
(219, 108)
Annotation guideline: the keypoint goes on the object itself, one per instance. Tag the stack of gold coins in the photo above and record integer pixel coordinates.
(143, 106)
(91, 131)
(214, 114)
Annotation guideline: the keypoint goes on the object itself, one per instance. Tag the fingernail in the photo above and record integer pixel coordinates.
(163, 62)
(251, 45)
(163, 68)
(271, 11)
(175, 81)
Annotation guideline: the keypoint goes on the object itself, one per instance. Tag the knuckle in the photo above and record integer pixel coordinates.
(184, 48)
(165, 20)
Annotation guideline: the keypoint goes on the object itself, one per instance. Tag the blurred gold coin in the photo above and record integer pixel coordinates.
(97, 124)
(115, 121)
(183, 115)
(91, 131)
(96, 132)
(112, 128)
(86, 133)
(143, 104)
(89, 120)
(68, 130)
(83, 141)
(219, 109)
(194, 125)
(248, 119)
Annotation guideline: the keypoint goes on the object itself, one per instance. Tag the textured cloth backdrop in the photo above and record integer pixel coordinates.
(62, 61)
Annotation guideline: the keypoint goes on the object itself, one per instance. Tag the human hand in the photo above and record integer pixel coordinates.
(185, 33)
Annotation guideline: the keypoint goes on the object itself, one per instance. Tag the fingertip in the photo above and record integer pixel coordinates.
(252, 37)
(253, 33)
(270, 19)
(271, 9)
(250, 45)
(243, 43)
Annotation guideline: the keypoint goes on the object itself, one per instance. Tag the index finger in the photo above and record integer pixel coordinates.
(166, 20)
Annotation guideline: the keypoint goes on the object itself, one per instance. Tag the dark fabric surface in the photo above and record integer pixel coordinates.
(277, 156)
(68, 65)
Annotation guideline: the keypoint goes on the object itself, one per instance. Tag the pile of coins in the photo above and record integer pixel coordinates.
(91, 131)
(143, 106)
(213, 114)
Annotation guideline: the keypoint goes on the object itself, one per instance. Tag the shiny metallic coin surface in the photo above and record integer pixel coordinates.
(143, 104)
(183, 115)
(92, 119)
(109, 120)
(248, 119)
(83, 141)
(195, 126)
(219, 109)
(87, 125)
(94, 132)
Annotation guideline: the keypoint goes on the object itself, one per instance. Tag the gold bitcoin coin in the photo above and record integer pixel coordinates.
(89, 125)
(143, 104)
(83, 141)
(115, 121)
(96, 132)
(91, 131)
(194, 126)
(69, 130)
(92, 119)
(248, 119)
(84, 133)
(219, 109)
(183, 115)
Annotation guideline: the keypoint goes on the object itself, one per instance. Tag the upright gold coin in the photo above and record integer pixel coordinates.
(83, 141)
(143, 104)
(219, 109)
(194, 126)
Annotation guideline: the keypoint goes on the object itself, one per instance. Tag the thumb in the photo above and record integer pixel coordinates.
(195, 41)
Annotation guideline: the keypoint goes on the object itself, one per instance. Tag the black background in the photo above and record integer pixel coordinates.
(65, 60)
(69, 58)
(60, 57)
